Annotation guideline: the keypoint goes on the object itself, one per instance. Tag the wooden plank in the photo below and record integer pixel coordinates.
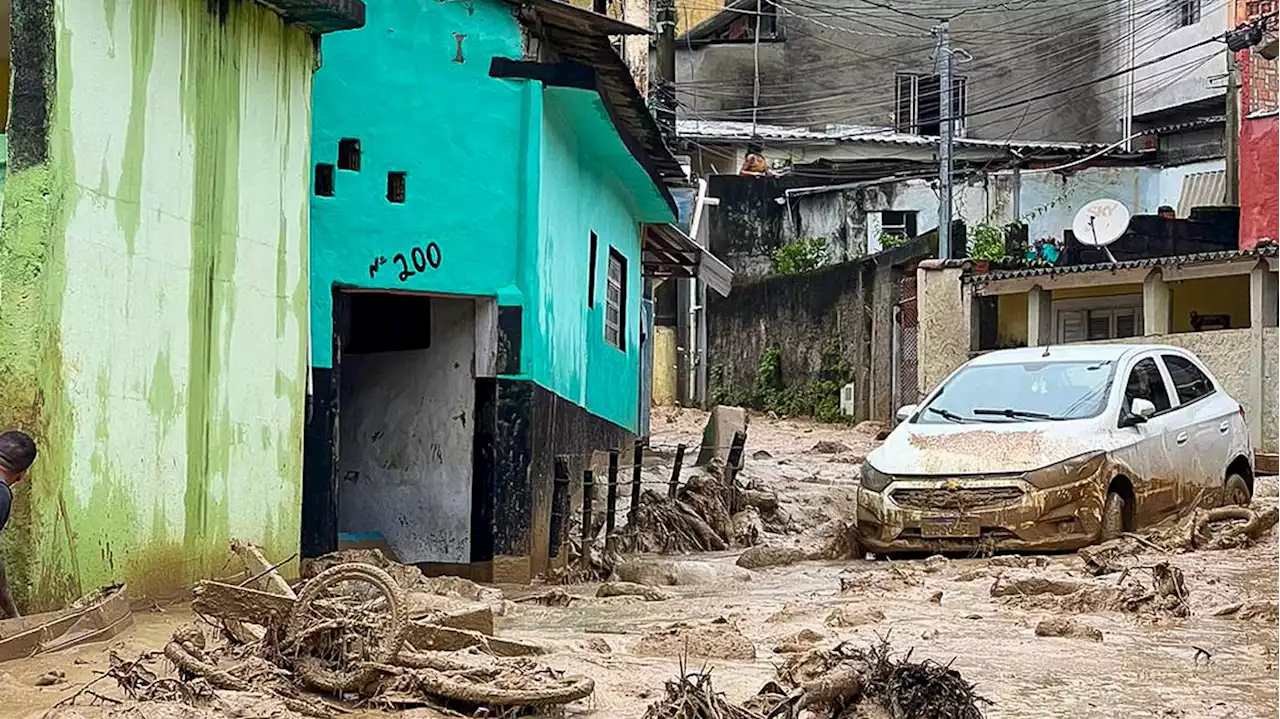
(427, 637)
(258, 566)
(105, 615)
(227, 601)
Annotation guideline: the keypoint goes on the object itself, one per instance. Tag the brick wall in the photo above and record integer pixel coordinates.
(1260, 77)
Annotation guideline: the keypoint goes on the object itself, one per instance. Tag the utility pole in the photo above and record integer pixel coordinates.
(666, 299)
(1232, 139)
(945, 112)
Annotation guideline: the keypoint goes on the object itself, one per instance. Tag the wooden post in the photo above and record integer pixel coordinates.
(588, 489)
(732, 466)
(611, 498)
(675, 471)
(637, 459)
(559, 504)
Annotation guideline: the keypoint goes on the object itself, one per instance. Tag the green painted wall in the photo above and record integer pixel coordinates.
(573, 350)
(397, 87)
(506, 177)
(153, 333)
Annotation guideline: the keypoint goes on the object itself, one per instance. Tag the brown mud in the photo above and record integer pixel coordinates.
(1218, 661)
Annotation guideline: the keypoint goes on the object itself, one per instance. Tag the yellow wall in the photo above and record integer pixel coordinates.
(1210, 296)
(692, 12)
(1012, 313)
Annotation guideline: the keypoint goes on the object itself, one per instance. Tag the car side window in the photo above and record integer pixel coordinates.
(1146, 382)
(1188, 381)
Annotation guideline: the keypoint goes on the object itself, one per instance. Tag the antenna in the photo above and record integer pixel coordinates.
(1100, 223)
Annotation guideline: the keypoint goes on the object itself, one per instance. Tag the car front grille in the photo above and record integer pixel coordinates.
(942, 499)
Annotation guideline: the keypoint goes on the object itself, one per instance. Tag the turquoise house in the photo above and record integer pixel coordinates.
(489, 202)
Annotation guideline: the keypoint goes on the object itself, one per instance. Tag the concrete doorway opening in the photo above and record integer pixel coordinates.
(406, 428)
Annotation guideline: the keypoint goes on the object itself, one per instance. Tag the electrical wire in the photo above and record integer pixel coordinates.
(814, 107)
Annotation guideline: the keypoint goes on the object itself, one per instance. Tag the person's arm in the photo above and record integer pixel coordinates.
(7, 605)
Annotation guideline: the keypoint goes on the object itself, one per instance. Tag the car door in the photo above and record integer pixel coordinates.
(1149, 447)
(1203, 429)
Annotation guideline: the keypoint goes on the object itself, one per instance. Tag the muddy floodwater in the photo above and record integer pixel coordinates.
(1144, 666)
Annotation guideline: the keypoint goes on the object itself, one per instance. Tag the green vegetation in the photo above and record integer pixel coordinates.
(800, 255)
(889, 240)
(818, 398)
(986, 242)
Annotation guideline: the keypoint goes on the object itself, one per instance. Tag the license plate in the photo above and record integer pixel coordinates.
(950, 528)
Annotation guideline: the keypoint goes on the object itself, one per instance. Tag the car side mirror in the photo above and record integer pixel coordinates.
(906, 411)
(1139, 411)
(1144, 408)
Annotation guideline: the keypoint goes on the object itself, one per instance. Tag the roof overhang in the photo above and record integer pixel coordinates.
(319, 16)
(669, 252)
(574, 90)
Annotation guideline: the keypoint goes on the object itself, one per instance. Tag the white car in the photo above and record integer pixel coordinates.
(1054, 448)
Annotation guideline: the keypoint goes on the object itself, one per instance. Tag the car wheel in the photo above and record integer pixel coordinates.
(1236, 492)
(1112, 517)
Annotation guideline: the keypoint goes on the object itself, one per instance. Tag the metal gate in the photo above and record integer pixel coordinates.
(905, 329)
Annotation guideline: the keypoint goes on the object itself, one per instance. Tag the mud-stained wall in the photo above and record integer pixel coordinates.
(408, 419)
(849, 304)
(1270, 390)
(154, 268)
(945, 314)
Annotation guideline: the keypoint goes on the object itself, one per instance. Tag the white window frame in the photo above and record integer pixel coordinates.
(1187, 13)
(1097, 304)
(615, 300)
(913, 122)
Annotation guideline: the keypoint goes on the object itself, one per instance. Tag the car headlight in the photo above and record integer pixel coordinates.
(1065, 472)
(873, 479)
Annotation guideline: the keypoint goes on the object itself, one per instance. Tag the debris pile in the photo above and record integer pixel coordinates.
(1068, 628)
(350, 634)
(691, 696)
(698, 518)
(1201, 529)
(1165, 594)
(718, 640)
(847, 681)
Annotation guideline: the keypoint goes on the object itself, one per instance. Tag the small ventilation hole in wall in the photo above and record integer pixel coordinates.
(349, 154)
(395, 187)
(324, 179)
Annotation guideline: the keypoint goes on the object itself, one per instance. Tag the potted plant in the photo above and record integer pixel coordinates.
(986, 245)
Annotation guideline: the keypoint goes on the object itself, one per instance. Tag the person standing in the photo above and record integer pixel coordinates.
(17, 452)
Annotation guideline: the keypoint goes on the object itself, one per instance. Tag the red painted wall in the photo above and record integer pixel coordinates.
(1260, 136)
(1259, 185)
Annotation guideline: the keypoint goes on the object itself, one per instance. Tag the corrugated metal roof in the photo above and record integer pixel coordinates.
(1200, 257)
(1201, 189)
(736, 131)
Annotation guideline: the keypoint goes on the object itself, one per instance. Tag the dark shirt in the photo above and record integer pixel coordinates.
(6, 501)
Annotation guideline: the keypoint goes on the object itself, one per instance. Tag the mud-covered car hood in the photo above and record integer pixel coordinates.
(947, 449)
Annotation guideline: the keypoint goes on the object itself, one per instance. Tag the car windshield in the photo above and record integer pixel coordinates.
(1028, 392)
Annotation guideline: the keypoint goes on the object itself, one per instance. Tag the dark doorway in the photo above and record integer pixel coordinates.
(403, 408)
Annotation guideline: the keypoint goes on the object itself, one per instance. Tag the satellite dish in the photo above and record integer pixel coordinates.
(1100, 223)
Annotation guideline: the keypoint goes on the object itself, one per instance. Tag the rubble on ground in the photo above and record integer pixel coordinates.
(717, 640)
(1200, 529)
(800, 641)
(678, 572)
(350, 633)
(625, 589)
(1068, 628)
(851, 682)
(1267, 611)
(765, 555)
(1164, 594)
(851, 616)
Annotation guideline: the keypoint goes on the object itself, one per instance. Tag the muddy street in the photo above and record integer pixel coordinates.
(1037, 636)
